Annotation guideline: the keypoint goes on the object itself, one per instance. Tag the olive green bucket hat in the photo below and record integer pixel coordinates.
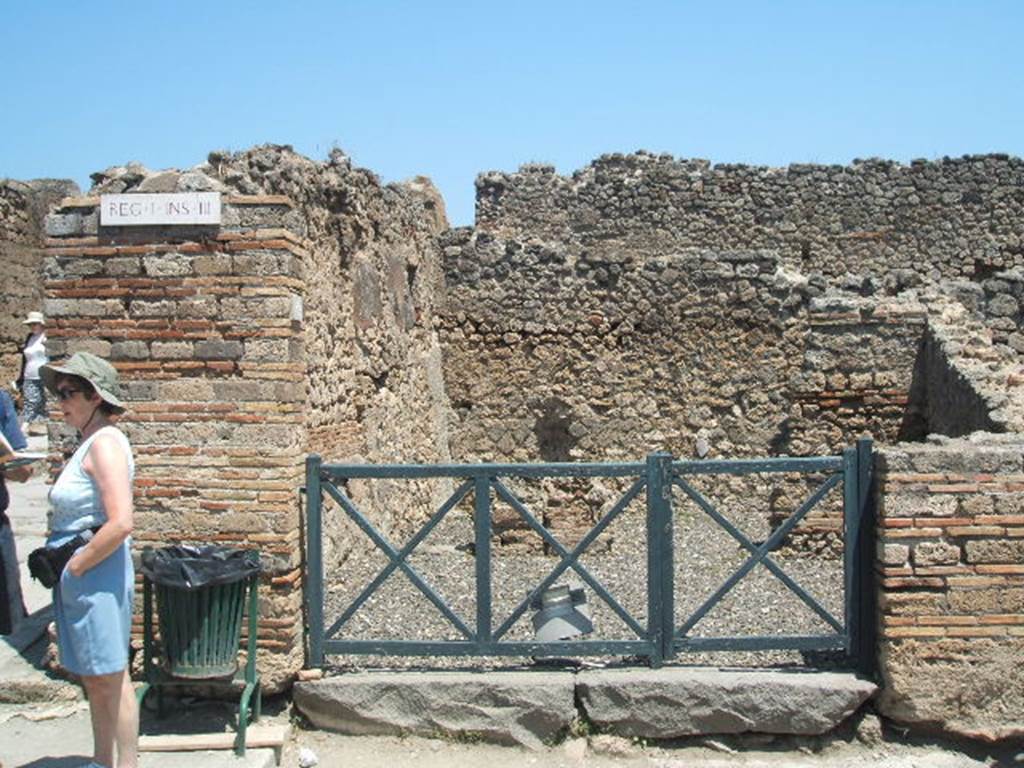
(97, 371)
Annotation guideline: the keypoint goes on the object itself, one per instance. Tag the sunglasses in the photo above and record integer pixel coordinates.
(66, 393)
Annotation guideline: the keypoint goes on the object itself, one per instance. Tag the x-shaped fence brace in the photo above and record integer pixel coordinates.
(397, 558)
(759, 554)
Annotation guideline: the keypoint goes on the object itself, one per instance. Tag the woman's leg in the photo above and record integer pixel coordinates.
(115, 718)
(128, 725)
(34, 401)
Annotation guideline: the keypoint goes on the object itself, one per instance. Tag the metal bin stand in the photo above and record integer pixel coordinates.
(200, 631)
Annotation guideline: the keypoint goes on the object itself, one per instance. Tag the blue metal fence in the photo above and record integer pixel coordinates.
(657, 636)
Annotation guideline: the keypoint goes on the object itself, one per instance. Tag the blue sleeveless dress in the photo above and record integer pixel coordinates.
(93, 611)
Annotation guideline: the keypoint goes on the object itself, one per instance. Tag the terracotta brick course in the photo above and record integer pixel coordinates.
(912, 582)
(976, 631)
(915, 632)
(1016, 570)
(942, 570)
(913, 533)
(1006, 618)
(1000, 520)
(946, 620)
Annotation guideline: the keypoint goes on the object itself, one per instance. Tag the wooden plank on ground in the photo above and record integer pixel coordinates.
(255, 736)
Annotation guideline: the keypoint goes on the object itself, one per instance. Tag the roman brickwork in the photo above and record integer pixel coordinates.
(202, 329)
(301, 324)
(951, 574)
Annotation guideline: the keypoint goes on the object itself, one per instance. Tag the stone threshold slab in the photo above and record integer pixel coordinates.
(675, 702)
(533, 708)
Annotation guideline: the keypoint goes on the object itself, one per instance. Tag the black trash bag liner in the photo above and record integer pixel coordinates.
(190, 567)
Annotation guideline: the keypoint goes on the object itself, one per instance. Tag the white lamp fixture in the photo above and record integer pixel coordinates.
(561, 613)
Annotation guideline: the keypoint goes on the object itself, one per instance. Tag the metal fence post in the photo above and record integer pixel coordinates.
(864, 638)
(482, 528)
(660, 570)
(314, 557)
(851, 526)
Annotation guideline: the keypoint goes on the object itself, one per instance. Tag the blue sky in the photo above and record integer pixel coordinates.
(450, 90)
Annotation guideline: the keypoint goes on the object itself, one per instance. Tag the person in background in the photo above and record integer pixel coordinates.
(92, 602)
(33, 357)
(12, 604)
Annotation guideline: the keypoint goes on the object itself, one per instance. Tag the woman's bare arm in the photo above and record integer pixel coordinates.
(107, 463)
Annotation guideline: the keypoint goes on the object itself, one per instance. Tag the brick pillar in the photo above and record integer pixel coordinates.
(204, 326)
(951, 556)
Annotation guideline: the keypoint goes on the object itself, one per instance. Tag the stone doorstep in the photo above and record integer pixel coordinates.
(666, 704)
(532, 708)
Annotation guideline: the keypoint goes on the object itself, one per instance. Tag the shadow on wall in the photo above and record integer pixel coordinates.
(552, 429)
(942, 400)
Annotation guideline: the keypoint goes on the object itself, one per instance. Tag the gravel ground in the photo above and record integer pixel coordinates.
(705, 556)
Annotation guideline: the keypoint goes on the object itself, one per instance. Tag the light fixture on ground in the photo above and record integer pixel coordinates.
(561, 613)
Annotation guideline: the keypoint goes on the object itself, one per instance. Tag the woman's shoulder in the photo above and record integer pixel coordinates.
(109, 439)
(111, 434)
(108, 449)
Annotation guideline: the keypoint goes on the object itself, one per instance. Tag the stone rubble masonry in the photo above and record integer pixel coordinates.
(374, 389)
(647, 303)
(22, 208)
(883, 221)
(951, 576)
(614, 357)
(966, 380)
(644, 303)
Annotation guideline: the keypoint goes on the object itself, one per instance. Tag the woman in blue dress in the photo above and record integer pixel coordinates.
(93, 599)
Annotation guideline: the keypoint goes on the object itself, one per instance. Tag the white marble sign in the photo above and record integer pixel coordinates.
(160, 208)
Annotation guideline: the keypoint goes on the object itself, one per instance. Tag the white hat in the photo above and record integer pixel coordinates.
(34, 317)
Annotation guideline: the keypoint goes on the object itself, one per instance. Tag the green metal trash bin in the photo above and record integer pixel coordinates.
(201, 593)
(200, 598)
(201, 628)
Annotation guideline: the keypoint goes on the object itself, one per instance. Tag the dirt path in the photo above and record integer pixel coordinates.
(335, 751)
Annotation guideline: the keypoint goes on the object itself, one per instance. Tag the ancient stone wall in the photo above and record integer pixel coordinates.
(796, 348)
(612, 359)
(856, 373)
(642, 304)
(302, 323)
(951, 571)
(876, 224)
(966, 379)
(1001, 305)
(570, 356)
(375, 391)
(22, 207)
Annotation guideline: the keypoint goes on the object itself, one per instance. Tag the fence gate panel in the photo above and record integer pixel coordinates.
(667, 487)
(759, 554)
